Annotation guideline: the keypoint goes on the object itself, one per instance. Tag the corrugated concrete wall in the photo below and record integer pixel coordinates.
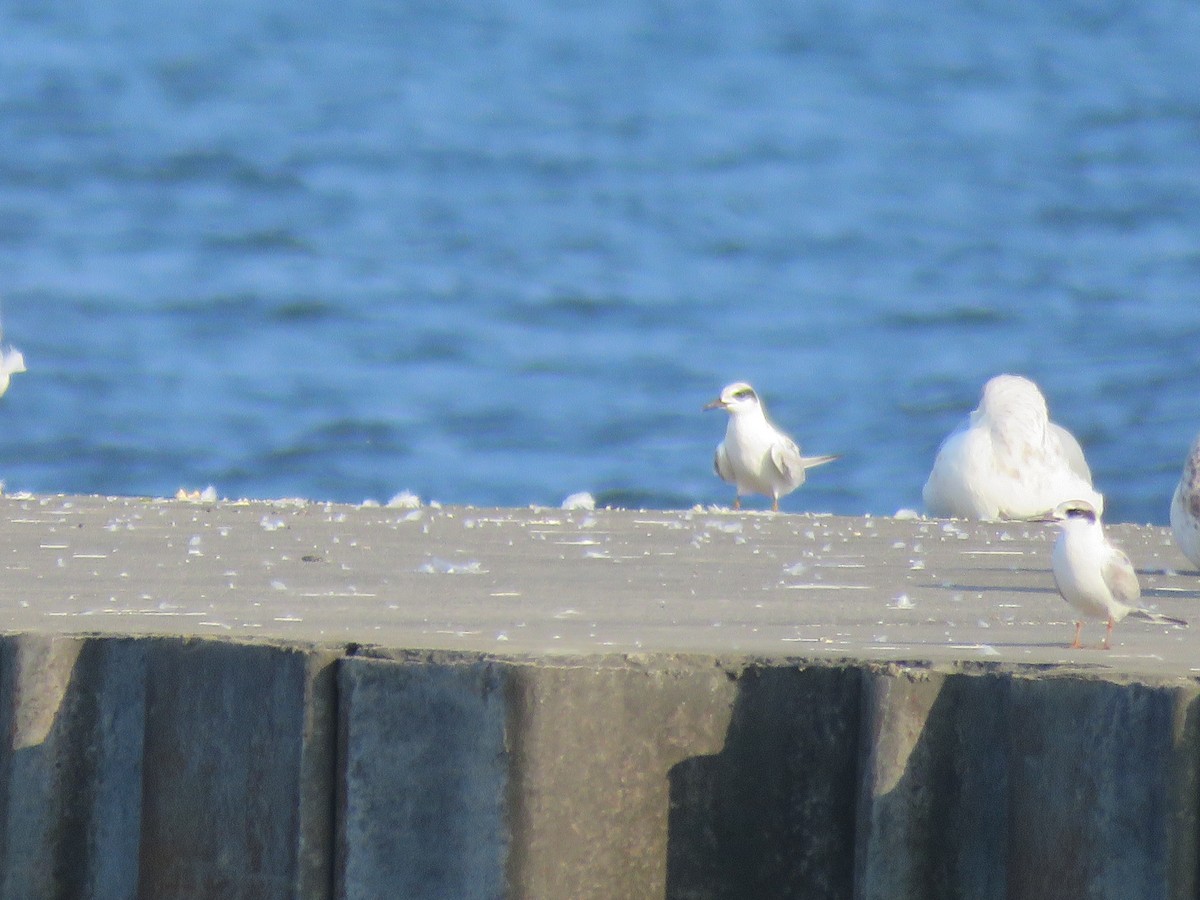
(160, 767)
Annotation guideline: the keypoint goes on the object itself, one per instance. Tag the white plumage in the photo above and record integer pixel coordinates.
(12, 361)
(1007, 460)
(756, 457)
(1092, 575)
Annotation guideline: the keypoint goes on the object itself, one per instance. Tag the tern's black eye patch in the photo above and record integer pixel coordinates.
(1079, 512)
(743, 394)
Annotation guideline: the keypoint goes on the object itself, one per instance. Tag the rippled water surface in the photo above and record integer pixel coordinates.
(496, 253)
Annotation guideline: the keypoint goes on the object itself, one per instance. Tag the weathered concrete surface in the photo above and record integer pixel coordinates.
(164, 768)
(338, 702)
(424, 780)
(69, 776)
(771, 811)
(568, 583)
(660, 777)
(237, 771)
(989, 786)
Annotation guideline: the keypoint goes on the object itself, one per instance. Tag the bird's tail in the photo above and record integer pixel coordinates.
(1156, 618)
(810, 462)
(12, 361)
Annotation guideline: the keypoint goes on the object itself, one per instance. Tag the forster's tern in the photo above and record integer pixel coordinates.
(1008, 460)
(1092, 575)
(756, 457)
(1185, 507)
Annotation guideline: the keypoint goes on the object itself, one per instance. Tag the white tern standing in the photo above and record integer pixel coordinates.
(756, 457)
(1092, 575)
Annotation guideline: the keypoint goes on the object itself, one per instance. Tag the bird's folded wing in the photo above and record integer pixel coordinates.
(785, 457)
(721, 464)
(1122, 580)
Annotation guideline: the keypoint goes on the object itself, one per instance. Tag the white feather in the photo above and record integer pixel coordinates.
(1008, 460)
(756, 456)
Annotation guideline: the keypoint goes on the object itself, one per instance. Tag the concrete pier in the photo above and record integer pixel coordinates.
(306, 700)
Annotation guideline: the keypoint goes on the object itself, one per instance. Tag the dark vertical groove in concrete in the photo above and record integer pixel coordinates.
(325, 872)
(517, 816)
(1184, 784)
(970, 787)
(8, 663)
(341, 792)
(314, 876)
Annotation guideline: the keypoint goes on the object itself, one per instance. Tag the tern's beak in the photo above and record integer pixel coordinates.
(1047, 518)
(716, 404)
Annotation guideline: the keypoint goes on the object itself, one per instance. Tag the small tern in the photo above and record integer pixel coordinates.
(1092, 575)
(756, 457)
(1185, 507)
(1007, 460)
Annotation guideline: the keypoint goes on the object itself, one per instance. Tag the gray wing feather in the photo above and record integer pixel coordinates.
(721, 464)
(1121, 578)
(786, 458)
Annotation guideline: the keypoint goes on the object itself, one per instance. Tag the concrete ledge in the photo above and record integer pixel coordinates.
(172, 768)
(275, 765)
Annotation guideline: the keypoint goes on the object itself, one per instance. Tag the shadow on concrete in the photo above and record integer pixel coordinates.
(840, 783)
(1010, 570)
(162, 768)
(172, 768)
(70, 747)
(772, 814)
(991, 588)
(1169, 594)
(1061, 645)
(932, 820)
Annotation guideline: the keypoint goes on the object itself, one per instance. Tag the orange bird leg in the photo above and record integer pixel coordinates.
(1108, 635)
(775, 505)
(1075, 644)
(737, 502)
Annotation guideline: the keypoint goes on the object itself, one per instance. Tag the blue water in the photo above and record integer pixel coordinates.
(499, 252)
